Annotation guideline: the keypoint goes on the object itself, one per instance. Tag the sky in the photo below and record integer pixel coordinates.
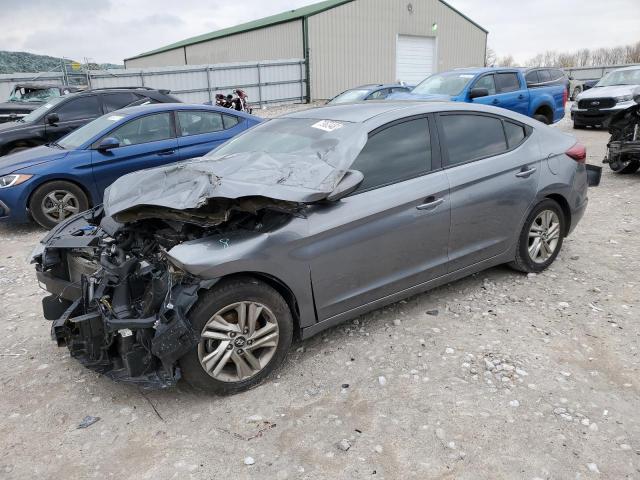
(111, 30)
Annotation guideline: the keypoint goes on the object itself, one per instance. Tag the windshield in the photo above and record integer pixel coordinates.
(620, 77)
(35, 95)
(85, 133)
(41, 110)
(299, 136)
(350, 96)
(450, 83)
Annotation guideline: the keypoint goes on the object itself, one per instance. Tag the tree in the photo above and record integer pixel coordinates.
(489, 57)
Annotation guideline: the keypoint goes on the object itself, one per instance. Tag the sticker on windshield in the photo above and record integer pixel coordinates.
(115, 118)
(327, 125)
(466, 75)
(47, 106)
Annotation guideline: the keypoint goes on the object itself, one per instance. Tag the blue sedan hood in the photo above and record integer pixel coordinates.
(29, 158)
(417, 96)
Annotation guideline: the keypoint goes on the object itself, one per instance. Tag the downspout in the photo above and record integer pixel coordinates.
(185, 55)
(305, 47)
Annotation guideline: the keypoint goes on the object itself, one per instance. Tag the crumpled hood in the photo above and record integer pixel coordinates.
(612, 91)
(29, 158)
(290, 178)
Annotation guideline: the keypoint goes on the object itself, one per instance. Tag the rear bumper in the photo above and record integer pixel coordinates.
(576, 215)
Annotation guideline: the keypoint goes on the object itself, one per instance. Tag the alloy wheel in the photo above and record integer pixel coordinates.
(238, 341)
(59, 204)
(544, 235)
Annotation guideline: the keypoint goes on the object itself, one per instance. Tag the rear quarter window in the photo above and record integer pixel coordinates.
(515, 134)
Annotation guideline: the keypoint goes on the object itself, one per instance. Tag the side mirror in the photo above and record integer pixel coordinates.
(52, 118)
(349, 183)
(108, 143)
(478, 92)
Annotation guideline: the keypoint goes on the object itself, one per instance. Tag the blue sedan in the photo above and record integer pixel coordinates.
(52, 182)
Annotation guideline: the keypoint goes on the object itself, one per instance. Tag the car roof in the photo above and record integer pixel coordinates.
(632, 67)
(162, 107)
(361, 112)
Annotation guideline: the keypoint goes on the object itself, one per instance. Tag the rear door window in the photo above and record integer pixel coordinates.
(79, 108)
(195, 122)
(532, 78)
(115, 101)
(470, 137)
(396, 153)
(230, 121)
(507, 82)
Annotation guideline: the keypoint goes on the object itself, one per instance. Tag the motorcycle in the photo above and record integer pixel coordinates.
(238, 101)
(623, 149)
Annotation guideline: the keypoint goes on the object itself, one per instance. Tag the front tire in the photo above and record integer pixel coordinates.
(56, 201)
(245, 328)
(541, 238)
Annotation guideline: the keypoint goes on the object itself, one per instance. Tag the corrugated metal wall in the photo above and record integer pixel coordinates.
(277, 81)
(269, 43)
(172, 58)
(355, 43)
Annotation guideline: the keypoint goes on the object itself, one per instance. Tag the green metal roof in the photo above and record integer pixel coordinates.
(287, 16)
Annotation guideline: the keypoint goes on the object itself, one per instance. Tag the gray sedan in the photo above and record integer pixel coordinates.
(208, 268)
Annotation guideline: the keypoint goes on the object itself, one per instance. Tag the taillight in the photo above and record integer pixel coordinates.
(578, 152)
(565, 97)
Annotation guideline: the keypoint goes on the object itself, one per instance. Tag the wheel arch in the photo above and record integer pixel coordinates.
(566, 210)
(546, 111)
(279, 286)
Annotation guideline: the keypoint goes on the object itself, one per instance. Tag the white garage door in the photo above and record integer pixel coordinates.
(415, 58)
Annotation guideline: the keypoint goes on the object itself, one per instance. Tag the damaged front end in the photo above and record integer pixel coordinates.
(117, 302)
(623, 149)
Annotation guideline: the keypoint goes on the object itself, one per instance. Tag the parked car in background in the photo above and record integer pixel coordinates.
(378, 91)
(537, 77)
(61, 115)
(612, 94)
(26, 97)
(576, 87)
(52, 182)
(309, 225)
(499, 87)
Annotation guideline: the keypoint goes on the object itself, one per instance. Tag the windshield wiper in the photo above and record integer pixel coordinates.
(55, 145)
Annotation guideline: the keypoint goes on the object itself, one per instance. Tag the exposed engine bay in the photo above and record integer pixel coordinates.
(117, 302)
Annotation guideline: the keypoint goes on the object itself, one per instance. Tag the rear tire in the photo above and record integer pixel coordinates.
(56, 201)
(229, 359)
(541, 238)
(542, 118)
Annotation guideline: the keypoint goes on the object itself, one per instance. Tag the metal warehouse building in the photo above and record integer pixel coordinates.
(345, 43)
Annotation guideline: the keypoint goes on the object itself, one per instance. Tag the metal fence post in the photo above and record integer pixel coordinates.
(259, 87)
(206, 72)
(142, 78)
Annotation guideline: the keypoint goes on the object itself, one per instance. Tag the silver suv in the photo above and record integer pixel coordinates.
(613, 93)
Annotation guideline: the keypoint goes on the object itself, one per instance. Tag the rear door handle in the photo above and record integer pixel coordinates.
(430, 203)
(166, 152)
(520, 97)
(526, 173)
(496, 101)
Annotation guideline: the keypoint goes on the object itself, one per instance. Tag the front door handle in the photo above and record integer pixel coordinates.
(166, 152)
(430, 203)
(526, 173)
(520, 97)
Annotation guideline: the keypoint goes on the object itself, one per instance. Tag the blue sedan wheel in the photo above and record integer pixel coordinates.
(56, 201)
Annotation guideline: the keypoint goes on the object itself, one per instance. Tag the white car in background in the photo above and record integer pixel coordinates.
(613, 93)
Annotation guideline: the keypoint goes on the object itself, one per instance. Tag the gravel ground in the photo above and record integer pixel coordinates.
(497, 376)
